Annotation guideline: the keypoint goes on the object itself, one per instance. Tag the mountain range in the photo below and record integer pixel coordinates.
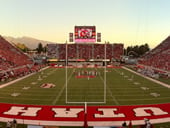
(30, 42)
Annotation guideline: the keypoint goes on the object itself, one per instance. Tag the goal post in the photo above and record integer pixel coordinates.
(79, 55)
(103, 80)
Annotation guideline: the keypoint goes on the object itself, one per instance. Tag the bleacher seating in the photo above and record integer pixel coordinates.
(13, 55)
(13, 62)
(85, 51)
(159, 57)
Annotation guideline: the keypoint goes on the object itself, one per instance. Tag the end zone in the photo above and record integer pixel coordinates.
(74, 115)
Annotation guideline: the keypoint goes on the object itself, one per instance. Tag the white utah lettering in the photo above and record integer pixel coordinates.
(108, 112)
(30, 111)
(62, 112)
(142, 111)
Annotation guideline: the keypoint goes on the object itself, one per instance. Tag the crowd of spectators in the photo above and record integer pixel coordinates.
(159, 57)
(147, 71)
(13, 62)
(85, 51)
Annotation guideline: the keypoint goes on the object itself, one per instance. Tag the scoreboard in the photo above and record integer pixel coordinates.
(85, 34)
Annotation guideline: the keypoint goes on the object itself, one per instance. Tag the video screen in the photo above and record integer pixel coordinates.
(85, 34)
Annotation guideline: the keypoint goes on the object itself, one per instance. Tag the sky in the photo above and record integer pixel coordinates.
(131, 22)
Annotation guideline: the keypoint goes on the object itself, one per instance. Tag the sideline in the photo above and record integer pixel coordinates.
(153, 80)
(21, 78)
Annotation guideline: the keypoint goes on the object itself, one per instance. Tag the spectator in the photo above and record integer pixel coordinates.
(8, 125)
(124, 125)
(14, 123)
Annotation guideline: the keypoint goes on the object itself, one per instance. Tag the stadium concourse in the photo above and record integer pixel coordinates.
(14, 64)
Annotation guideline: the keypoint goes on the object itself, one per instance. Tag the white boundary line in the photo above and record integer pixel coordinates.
(21, 78)
(153, 80)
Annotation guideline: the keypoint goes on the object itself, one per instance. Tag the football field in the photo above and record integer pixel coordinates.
(96, 86)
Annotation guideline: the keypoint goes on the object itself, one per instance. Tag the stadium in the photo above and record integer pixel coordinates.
(85, 83)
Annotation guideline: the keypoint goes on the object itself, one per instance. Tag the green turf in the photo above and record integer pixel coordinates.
(123, 88)
(120, 89)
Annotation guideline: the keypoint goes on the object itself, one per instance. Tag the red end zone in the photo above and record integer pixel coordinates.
(74, 115)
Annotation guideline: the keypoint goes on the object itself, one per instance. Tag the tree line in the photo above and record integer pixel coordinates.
(40, 48)
(137, 50)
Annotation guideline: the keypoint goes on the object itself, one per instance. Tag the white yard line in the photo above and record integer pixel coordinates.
(61, 91)
(24, 98)
(153, 80)
(114, 99)
(14, 81)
